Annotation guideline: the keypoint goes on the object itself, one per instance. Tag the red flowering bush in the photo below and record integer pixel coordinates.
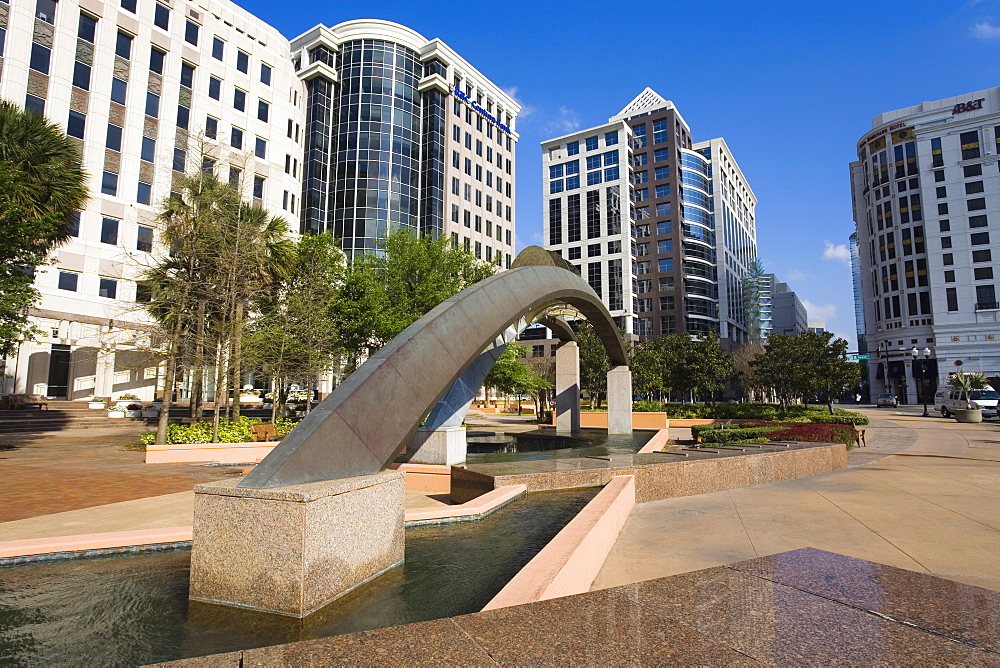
(816, 433)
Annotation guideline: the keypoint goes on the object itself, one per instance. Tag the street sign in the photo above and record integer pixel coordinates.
(864, 356)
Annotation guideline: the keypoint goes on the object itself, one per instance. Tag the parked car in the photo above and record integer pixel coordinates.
(947, 400)
(887, 399)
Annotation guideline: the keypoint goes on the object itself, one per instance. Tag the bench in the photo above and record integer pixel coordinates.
(18, 401)
(264, 432)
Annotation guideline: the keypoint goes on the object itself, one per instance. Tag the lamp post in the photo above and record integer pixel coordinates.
(921, 389)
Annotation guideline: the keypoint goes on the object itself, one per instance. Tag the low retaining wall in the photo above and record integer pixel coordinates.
(656, 443)
(475, 509)
(224, 453)
(82, 544)
(569, 564)
(640, 421)
(658, 475)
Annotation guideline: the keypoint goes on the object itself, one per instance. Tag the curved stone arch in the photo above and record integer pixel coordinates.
(367, 421)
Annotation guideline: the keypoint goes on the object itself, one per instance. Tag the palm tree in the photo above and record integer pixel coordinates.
(41, 188)
(45, 174)
(224, 255)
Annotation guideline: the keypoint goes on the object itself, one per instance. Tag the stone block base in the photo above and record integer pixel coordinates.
(444, 446)
(293, 549)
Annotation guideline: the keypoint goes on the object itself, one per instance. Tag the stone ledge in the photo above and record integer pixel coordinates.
(303, 493)
(657, 475)
(569, 564)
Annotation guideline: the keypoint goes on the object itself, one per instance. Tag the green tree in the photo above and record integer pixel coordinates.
(809, 365)
(649, 375)
(294, 337)
(781, 367)
(42, 187)
(225, 257)
(511, 376)
(386, 292)
(696, 367)
(594, 363)
(831, 371)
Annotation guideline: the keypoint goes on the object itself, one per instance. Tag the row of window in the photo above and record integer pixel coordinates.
(110, 233)
(480, 121)
(468, 219)
(107, 287)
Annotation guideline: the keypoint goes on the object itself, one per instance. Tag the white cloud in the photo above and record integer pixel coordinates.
(526, 109)
(824, 312)
(836, 252)
(798, 275)
(566, 122)
(985, 30)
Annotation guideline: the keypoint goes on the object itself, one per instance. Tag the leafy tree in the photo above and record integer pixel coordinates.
(510, 375)
(832, 372)
(41, 188)
(594, 363)
(781, 368)
(698, 367)
(743, 375)
(811, 364)
(294, 337)
(385, 292)
(225, 257)
(649, 376)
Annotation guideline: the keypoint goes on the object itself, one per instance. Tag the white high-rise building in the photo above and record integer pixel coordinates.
(926, 192)
(662, 228)
(378, 123)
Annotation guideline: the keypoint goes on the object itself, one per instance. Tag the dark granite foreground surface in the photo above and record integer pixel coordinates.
(801, 607)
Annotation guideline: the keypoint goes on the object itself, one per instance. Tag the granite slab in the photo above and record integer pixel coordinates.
(805, 607)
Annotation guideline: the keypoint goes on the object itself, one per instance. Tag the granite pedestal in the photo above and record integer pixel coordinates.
(444, 445)
(293, 549)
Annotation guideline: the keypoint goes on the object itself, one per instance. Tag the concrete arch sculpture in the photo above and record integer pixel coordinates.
(366, 422)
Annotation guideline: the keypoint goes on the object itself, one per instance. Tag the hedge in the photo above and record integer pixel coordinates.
(752, 430)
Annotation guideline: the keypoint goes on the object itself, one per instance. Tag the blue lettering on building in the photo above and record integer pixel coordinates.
(464, 97)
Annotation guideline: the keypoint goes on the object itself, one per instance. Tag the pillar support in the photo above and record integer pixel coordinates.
(620, 400)
(568, 388)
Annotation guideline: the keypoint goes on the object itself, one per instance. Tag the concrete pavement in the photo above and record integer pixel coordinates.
(925, 496)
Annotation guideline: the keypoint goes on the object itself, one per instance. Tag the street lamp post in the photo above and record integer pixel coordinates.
(921, 389)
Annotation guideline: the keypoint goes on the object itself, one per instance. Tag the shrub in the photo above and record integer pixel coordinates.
(726, 436)
(817, 433)
(847, 418)
(648, 407)
(684, 411)
(201, 432)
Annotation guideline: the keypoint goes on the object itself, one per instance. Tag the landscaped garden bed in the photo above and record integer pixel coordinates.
(237, 431)
(762, 431)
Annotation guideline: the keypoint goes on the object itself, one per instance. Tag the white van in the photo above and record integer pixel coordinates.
(948, 400)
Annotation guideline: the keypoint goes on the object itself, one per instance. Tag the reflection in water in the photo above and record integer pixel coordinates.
(546, 444)
(134, 610)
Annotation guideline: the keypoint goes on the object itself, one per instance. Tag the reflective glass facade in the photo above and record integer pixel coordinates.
(376, 182)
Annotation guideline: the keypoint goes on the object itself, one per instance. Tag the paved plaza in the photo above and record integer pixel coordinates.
(923, 496)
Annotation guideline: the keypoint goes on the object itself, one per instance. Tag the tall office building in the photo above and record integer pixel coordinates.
(926, 192)
(375, 120)
(662, 228)
(859, 305)
(403, 132)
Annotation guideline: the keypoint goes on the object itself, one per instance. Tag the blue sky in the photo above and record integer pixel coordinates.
(790, 85)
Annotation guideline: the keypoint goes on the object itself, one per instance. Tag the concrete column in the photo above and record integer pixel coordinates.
(620, 400)
(568, 388)
(443, 446)
(105, 372)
